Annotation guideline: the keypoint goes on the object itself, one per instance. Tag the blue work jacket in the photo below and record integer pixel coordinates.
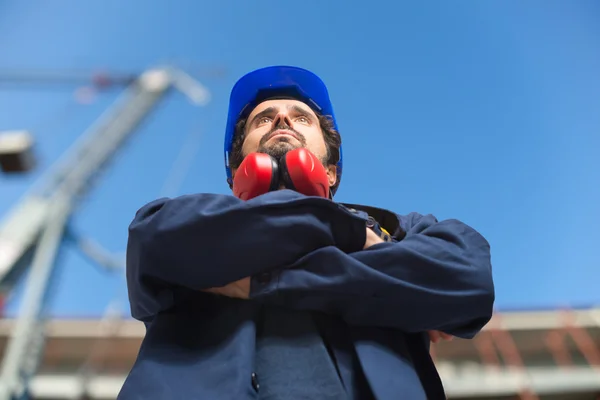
(303, 253)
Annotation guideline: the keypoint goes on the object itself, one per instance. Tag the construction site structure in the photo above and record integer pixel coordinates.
(34, 230)
(545, 355)
(534, 355)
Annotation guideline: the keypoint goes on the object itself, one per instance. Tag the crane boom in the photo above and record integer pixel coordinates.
(74, 173)
(34, 229)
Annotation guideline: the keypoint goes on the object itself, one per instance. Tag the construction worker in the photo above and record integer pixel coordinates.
(275, 293)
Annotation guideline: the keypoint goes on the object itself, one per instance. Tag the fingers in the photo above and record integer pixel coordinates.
(436, 336)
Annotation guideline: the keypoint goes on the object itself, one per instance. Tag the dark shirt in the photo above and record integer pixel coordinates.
(296, 358)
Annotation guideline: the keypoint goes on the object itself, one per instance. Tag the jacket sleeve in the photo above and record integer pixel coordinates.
(209, 240)
(439, 277)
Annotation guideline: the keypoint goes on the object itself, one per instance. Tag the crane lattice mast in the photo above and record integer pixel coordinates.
(32, 233)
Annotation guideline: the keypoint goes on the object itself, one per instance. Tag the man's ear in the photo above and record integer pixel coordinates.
(332, 175)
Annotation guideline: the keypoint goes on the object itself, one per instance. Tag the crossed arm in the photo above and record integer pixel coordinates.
(437, 278)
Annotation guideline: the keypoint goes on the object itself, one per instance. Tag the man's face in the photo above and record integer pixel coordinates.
(275, 127)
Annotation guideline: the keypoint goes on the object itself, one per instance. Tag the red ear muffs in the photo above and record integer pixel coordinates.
(302, 171)
(257, 174)
(299, 170)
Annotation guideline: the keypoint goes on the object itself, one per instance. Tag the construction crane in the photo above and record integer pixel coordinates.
(33, 231)
(17, 154)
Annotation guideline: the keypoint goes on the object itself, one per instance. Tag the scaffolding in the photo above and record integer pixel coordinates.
(552, 354)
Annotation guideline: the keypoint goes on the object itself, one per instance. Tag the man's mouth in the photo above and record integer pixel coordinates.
(283, 132)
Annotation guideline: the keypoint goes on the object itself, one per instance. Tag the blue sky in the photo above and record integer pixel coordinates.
(483, 111)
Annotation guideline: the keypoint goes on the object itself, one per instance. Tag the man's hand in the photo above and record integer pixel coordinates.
(436, 336)
(372, 238)
(238, 289)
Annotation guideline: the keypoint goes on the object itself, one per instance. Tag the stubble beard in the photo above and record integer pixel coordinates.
(278, 148)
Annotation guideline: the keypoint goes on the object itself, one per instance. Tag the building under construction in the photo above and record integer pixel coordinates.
(519, 355)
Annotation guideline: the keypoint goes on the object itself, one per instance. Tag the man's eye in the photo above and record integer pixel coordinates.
(302, 120)
(264, 120)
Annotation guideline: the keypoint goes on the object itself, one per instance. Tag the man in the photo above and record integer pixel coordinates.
(288, 296)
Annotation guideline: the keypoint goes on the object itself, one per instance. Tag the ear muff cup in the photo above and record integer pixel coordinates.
(258, 174)
(298, 170)
(302, 171)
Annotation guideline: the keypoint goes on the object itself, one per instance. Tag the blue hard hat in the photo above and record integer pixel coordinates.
(265, 83)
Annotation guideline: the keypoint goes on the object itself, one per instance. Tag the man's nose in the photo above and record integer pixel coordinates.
(282, 119)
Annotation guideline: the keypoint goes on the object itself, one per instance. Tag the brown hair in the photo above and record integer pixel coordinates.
(333, 142)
